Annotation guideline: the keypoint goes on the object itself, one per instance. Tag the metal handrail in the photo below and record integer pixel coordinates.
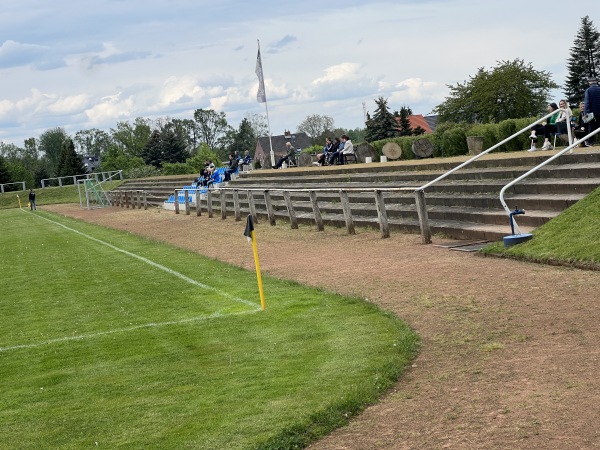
(493, 147)
(536, 168)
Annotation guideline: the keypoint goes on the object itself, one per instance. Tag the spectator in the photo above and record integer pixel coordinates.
(347, 150)
(233, 167)
(291, 151)
(591, 102)
(581, 129)
(247, 160)
(564, 117)
(336, 154)
(322, 158)
(547, 128)
(32, 204)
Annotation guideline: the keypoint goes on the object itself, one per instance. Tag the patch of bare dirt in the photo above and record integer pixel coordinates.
(510, 350)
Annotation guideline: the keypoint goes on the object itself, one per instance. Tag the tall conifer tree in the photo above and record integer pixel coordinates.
(383, 124)
(583, 62)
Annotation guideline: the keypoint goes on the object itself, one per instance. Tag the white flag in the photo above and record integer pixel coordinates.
(261, 95)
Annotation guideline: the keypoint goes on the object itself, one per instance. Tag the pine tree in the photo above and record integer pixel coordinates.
(152, 151)
(70, 162)
(583, 62)
(173, 145)
(404, 121)
(4, 175)
(383, 124)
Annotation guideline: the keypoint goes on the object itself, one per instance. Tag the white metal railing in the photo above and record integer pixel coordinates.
(106, 176)
(22, 183)
(494, 147)
(420, 192)
(535, 169)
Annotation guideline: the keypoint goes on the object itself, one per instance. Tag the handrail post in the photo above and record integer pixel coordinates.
(252, 206)
(186, 202)
(236, 205)
(423, 218)
(198, 205)
(291, 211)
(209, 203)
(223, 205)
(316, 211)
(269, 206)
(347, 212)
(384, 227)
(176, 201)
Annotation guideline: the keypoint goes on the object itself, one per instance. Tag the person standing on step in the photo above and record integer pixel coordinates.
(591, 101)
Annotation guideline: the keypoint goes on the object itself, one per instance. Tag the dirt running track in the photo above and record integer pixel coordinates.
(510, 351)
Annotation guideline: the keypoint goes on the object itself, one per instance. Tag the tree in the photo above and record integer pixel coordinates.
(404, 121)
(132, 138)
(244, 138)
(584, 61)
(92, 142)
(258, 124)
(173, 145)
(4, 176)
(213, 127)
(511, 90)
(383, 124)
(152, 152)
(70, 162)
(51, 145)
(316, 127)
(114, 158)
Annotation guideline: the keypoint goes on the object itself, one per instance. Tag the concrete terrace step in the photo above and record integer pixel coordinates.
(466, 205)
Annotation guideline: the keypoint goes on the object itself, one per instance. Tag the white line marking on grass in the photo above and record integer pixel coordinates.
(81, 337)
(158, 266)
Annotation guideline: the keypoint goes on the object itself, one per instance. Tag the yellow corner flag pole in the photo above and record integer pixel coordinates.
(249, 233)
(19, 198)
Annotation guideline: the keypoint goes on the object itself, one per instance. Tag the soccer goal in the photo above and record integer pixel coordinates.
(91, 194)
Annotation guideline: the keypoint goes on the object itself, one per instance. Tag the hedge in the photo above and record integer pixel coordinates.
(450, 139)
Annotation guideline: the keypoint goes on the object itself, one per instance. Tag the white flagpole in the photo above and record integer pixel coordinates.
(261, 89)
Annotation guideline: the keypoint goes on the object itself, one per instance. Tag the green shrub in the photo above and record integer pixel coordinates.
(489, 132)
(507, 128)
(142, 172)
(177, 169)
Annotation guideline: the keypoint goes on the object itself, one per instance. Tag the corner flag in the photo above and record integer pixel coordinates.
(261, 95)
(249, 233)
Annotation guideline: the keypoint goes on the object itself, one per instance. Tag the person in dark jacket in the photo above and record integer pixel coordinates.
(291, 151)
(32, 204)
(591, 101)
(233, 167)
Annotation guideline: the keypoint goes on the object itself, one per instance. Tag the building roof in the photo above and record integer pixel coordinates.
(417, 120)
(263, 149)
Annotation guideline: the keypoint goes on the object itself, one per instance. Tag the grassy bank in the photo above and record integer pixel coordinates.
(47, 196)
(572, 238)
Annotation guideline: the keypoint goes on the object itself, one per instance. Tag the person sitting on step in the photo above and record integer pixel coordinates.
(547, 128)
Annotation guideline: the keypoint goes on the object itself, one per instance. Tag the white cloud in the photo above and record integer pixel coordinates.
(110, 110)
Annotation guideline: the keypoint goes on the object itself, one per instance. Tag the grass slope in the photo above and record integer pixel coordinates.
(572, 237)
(48, 196)
(98, 347)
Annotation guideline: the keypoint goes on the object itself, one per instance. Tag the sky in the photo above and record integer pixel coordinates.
(81, 64)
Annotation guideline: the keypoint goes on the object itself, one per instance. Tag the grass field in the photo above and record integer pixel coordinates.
(110, 340)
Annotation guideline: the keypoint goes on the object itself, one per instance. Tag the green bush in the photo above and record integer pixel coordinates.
(142, 172)
(489, 132)
(177, 169)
